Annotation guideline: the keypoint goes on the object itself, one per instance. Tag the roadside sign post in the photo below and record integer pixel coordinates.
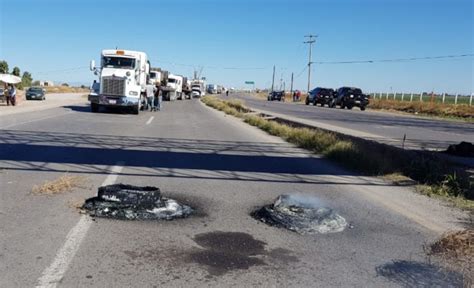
(470, 99)
(456, 99)
(251, 83)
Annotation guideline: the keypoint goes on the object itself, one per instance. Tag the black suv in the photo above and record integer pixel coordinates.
(276, 95)
(350, 97)
(323, 96)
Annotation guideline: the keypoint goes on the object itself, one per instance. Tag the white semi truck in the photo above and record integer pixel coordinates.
(198, 88)
(123, 76)
(174, 88)
(155, 77)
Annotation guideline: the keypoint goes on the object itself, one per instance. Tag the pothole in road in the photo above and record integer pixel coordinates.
(301, 214)
(127, 202)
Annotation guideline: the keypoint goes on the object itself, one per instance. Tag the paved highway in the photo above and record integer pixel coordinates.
(224, 169)
(421, 133)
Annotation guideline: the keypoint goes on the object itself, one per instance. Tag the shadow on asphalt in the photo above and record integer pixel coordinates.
(418, 274)
(108, 110)
(168, 157)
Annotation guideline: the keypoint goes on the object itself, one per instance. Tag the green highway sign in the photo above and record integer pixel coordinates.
(249, 82)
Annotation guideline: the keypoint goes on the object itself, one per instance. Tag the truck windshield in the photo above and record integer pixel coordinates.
(118, 62)
(171, 80)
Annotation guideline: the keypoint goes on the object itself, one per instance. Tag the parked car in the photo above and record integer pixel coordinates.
(350, 97)
(35, 93)
(322, 96)
(276, 95)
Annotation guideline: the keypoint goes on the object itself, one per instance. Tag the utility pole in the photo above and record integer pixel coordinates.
(291, 86)
(310, 42)
(273, 79)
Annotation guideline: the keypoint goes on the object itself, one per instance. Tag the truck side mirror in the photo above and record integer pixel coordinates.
(92, 65)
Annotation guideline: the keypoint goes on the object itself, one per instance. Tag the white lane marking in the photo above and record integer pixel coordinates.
(52, 275)
(34, 120)
(149, 120)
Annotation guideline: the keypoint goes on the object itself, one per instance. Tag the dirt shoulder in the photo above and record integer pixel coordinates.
(52, 100)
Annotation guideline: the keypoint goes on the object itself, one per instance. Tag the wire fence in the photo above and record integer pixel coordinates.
(444, 98)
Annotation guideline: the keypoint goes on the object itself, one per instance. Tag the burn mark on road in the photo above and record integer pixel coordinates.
(224, 252)
(227, 251)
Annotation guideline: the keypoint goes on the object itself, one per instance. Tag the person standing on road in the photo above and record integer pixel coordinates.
(227, 92)
(11, 98)
(159, 94)
(150, 95)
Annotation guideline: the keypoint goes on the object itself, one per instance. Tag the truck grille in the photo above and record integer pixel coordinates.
(113, 86)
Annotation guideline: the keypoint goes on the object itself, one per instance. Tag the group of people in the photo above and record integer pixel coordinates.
(154, 97)
(296, 95)
(10, 94)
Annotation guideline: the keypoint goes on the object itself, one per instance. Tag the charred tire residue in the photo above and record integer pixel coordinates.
(300, 214)
(227, 251)
(127, 202)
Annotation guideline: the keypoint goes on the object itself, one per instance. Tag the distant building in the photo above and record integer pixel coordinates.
(46, 83)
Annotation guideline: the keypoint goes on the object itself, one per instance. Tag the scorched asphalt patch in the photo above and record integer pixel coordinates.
(127, 202)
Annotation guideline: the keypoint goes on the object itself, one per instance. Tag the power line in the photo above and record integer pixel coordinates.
(304, 69)
(396, 59)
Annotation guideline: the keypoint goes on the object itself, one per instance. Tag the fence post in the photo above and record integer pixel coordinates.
(421, 97)
(444, 96)
(403, 95)
(470, 100)
(411, 97)
(456, 99)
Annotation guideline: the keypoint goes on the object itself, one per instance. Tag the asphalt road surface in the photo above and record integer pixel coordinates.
(421, 132)
(223, 168)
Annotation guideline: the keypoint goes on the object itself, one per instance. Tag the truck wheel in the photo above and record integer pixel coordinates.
(307, 101)
(342, 105)
(94, 107)
(349, 107)
(362, 108)
(136, 109)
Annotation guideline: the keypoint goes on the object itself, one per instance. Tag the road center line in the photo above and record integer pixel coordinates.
(149, 120)
(52, 275)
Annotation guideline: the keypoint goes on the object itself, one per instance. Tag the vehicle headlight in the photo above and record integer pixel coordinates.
(352, 96)
(128, 73)
(133, 93)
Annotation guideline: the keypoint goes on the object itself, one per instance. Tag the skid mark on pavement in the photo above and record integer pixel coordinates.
(52, 275)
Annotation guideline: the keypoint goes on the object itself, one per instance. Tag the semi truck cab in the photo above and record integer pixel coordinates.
(123, 76)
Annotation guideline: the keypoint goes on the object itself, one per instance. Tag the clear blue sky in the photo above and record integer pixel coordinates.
(46, 36)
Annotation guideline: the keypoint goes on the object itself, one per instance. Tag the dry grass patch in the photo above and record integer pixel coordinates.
(427, 108)
(64, 89)
(63, 184)
(456, 249)
(366, 157)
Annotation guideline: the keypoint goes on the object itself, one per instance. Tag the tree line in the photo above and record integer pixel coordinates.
(26, 78)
